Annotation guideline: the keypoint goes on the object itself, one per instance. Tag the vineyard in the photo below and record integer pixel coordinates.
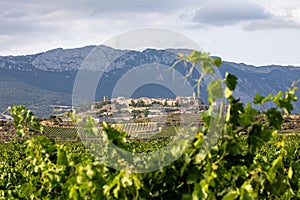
(62, 133)
(23, 177)
(252, 158)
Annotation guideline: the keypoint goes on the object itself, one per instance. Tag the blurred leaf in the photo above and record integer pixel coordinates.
(215, 90)
(230, 81)
(231, 195)
(274, 117)
(217, 61)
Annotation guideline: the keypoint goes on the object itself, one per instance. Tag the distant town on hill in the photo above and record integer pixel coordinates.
(46, 79)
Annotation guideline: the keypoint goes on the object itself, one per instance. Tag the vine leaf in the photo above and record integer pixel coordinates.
(217, 61)
(258, 99)
(215, 90)
(230, 81)
(275, 118)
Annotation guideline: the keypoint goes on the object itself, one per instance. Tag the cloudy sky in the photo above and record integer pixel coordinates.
(257, 32)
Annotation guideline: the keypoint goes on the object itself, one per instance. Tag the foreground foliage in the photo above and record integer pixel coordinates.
(249, 161)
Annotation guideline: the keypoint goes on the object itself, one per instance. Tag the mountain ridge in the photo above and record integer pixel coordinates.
(61, 51)
(51, 74)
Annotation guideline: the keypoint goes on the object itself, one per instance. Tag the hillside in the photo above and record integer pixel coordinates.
(47, 78)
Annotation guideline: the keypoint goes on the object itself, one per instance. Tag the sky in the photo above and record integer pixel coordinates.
(260, 32)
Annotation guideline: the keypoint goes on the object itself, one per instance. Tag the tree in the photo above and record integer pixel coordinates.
(166, 103)
(133, 104)
(140, 103)
(146, 112)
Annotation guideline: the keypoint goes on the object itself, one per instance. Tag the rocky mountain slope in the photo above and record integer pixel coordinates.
(47, 78)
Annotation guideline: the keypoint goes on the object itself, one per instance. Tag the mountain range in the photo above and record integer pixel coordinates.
(44, 79)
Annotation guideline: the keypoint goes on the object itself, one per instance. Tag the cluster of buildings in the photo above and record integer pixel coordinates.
(178, 101)
(122, 108)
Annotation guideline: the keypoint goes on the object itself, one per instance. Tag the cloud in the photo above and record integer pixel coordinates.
(23, 27)
(39, 25)
(229, 12)
(273, 23)
(25, 17)
(14, 14)
(235, 12)
(96, 6)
